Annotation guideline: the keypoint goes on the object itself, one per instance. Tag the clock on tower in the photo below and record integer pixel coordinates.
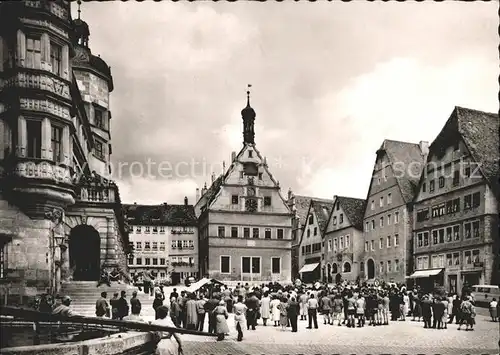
(251, 204)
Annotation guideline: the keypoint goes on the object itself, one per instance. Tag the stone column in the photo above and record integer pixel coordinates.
(46, 138)
(21, 48)
(21, 137)
(110, 256)
(66, 142)
(65, 62)
(45, 55)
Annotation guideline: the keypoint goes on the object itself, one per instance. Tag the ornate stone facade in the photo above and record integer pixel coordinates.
(59, 219)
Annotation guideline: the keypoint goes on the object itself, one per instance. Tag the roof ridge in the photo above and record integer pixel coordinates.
(459, 108)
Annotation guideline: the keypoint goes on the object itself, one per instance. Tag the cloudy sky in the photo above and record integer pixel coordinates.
(330, 82)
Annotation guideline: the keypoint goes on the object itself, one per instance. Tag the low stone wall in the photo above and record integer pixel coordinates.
(116, 344)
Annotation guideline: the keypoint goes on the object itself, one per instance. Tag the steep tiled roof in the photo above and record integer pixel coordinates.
(322, 209)
(480, 131)
(404, 155)
(354, 209)
(166, 215)
(302, 204)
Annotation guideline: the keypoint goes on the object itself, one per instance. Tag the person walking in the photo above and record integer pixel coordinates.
(240, 310)
(312, 312)
(493, 307)
(210, 305)
(293, 313)
(221, 316)
(351, 310)
(252, 303)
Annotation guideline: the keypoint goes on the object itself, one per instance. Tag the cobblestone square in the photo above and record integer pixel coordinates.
(397, 338)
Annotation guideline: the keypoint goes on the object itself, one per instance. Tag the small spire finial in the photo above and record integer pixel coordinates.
(79, 2)
(248, 94)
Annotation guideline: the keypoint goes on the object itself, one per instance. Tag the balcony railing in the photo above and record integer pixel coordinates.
(97, 194)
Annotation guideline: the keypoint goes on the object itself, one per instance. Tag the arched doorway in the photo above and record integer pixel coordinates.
(338, 278)
(334, 269)
(329, 273)
(370, 265)
(85, 253)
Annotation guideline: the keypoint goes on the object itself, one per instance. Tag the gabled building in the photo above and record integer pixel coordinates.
(388, 213)
(165, 240)
(456, 239)
(311, 240)
(343, 240)
(299, 205)
(245, 224)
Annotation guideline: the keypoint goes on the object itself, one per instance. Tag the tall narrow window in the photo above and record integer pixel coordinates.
(56, 58)
(280, 233)
(34, 135)
(99, 150)
(55, 142)
(33, 52)
(98, 118)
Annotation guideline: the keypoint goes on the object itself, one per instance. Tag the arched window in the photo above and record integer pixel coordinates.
(347, 267)
(334, 269)
(362, 266)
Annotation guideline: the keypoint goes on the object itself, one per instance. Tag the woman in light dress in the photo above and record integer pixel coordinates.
(166, 345)
(275, 312)
(406, 305)
(221, 315)
(265, 307)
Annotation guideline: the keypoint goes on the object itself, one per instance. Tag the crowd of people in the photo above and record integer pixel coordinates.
(346, 304)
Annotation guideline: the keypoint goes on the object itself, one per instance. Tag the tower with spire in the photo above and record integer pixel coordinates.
(248, 116)
(93, 76)
(245, 223)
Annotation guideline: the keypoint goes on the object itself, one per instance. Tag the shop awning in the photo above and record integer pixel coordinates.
(203, 282)
(425, 273)
(308, 267)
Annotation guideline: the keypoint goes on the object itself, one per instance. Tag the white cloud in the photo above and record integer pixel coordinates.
(153, 191)
(401, 99)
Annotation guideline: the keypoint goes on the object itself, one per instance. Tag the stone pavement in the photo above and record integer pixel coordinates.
(397, 338)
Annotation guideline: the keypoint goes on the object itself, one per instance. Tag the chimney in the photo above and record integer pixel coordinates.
(185, 201)
(290, 193)
(233, 156)
(135, 203)
(424, 148)
(213, 178)
(265, 161)
(197, 194)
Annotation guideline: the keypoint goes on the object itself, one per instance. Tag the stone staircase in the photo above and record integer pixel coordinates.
(84, 295)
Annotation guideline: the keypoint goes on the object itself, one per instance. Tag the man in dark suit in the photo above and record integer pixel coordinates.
(293, 313)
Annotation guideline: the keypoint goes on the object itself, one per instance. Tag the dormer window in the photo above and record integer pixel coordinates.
(250, 153)
(260, 176)
(267, 201)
